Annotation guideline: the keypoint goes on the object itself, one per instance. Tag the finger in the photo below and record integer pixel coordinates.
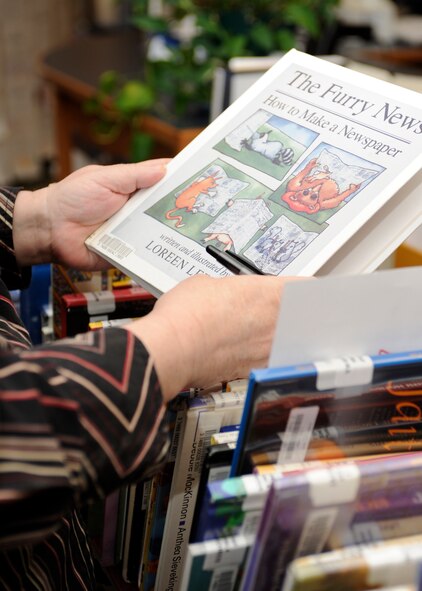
(127, 178)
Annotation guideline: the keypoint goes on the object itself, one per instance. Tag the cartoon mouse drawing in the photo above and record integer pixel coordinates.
(314, 192)
(187, 198)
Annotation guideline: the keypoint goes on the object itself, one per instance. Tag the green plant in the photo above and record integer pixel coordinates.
(120, 104)
(180, 82)
(223, 29)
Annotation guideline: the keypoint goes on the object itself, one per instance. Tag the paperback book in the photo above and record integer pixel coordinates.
(315, 169)
(337, 408)
(384, 565)
(324, 509)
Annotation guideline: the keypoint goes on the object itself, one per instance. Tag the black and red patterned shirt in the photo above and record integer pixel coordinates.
(78, 419)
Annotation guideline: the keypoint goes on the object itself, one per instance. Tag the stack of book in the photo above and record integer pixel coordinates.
(215, 519)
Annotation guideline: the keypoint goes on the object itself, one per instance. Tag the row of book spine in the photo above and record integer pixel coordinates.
(341, 522)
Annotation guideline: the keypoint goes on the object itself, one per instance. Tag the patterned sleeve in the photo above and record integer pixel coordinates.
(79, 418)
(13, 276)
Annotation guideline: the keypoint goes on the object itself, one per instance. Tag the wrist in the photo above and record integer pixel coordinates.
(32, 228)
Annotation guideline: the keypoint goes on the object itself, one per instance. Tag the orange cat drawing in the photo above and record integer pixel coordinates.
(187, 198)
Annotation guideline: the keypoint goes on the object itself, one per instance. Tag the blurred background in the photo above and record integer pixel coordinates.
(117, 60)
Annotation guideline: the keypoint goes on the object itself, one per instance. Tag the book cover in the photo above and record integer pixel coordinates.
(324, 509)
(205, 416)
(337, 408)
(367, 566)
(315, 165)
(78, 310)
(216, 466)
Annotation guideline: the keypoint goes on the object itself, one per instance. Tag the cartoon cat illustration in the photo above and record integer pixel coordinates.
(187, 198)
(311, 191)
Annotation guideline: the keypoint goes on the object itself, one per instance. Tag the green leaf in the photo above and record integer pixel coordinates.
(303, 16)
(150, 24)
(108, 81)
(134, 97)
(262, 37)
(141, 146)
(285, 39)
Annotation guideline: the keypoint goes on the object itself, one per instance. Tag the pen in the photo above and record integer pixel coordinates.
(233, 262)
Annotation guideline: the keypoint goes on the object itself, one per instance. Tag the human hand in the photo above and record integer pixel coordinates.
(207, 330)
(52, 224)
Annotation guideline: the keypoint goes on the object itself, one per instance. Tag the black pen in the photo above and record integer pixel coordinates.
(233, 262)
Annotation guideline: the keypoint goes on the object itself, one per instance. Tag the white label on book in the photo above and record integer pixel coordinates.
(295, 439)
(225, 551)
(315, 531)
(334, 485)
(146, 491)
(387, 565)
(222, 399)
(251, 521)
(218, 473)
(223, 578)
(100, 302)
(255, 484)
(365, 532)
(115, 246)
(344, 371)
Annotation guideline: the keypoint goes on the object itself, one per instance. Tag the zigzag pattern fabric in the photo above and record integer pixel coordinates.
(77, 418)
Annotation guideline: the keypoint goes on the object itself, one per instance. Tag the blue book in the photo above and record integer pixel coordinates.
(346, 407)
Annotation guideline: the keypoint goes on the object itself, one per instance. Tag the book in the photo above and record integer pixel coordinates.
(176, 413)
(367, 566)
(205, 415)
(314, 169)
(331, 409)
(232, 506)
(215, 564)
(324, 509)
(217, 462)
(78, 310)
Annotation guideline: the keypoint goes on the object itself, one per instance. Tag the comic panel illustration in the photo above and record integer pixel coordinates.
(202, 208)
(279, 245)
(267, 143)
(328, 179)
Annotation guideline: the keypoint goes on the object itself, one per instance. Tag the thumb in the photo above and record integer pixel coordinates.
(127, 178)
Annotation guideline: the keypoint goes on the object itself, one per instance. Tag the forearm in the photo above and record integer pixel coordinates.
(79, 420)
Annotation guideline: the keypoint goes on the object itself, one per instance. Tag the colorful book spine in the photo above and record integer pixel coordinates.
(205, 417)
(176, 413)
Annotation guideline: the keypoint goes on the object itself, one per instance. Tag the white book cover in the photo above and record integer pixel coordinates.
(316, 169)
